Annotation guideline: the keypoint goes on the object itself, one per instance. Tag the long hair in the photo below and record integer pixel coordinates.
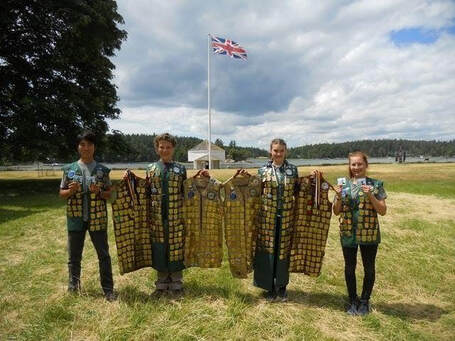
(357, 153)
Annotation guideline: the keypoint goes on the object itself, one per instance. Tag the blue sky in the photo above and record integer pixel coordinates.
(327, 71)
(419, 35)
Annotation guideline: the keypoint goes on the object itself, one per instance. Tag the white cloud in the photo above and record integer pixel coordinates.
(317, 71)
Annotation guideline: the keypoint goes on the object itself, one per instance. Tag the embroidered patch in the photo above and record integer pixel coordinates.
(325, 185)
(71, 174)
(289, 171)
(233, 195)
(176, 170)
(211, 195)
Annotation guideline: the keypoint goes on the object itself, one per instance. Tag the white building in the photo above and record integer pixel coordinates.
(199, 155)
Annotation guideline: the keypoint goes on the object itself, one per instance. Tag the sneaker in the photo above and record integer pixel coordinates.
(282, 294)
(177, 293)
(74, 288)
(364, 308)
(352, 309)
(159, 293)
(110, 296)
(269, 295)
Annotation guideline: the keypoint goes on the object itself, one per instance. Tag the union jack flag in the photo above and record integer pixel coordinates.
(228, 47)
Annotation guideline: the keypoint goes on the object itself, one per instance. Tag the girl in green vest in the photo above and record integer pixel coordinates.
(358, 201)
(273, 243)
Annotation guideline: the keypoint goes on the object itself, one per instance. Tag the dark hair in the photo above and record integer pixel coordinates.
(86, 135)
(357, 153)
(165, 137)
(278, 141)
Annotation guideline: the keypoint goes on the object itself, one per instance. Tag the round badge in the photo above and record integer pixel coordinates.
(190, 194)
(233, 195)
(176, 170)
(71, 174)
(289, 171)
(211, 195)
(154, 190)
(325, 185)
(255, 182)
(270, 196)
(253, 192)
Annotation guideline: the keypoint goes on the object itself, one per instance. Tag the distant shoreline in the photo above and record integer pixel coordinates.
(249, 163)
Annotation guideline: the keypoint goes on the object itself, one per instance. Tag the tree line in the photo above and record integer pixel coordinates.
(374, 148)
(119, 147)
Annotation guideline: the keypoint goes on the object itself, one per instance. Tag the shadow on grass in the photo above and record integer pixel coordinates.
(13, 187)
(9, 215)
(411, 311)
(132, 295)
(318, 299)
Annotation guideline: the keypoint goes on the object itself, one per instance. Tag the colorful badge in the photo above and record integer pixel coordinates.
(211, 195)
(341, 181)
(289, 172)
(71, 174)
(325, 185)
(233, 196)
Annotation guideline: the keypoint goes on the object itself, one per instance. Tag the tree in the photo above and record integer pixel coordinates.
(219, 143)
(55, 74)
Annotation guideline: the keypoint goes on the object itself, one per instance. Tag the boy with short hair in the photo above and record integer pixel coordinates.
(167, 229)
(86, 187)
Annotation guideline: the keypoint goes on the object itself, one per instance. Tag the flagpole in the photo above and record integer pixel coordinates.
(209, 142)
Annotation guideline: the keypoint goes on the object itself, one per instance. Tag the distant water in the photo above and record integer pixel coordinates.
(255, 163)
(249, 163)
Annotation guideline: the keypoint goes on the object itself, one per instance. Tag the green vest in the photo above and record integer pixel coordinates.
(166, 215)
(97, 220)
(271, 267)
(359, 222)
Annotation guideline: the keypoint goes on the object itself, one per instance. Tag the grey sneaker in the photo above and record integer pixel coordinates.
(364, 308)
(282, 294)
(110, 296)
(270, 296)
(159, 293)
(352, 309)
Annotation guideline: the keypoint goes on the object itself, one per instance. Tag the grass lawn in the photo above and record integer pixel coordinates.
(413, 298)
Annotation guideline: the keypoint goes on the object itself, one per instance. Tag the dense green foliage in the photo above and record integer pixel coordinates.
(374, 148)
(140, 148)
(55, 74)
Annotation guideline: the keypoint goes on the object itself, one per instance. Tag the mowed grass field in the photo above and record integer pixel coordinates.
(413, 298)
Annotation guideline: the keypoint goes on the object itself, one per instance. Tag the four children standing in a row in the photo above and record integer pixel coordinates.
(358, 199)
